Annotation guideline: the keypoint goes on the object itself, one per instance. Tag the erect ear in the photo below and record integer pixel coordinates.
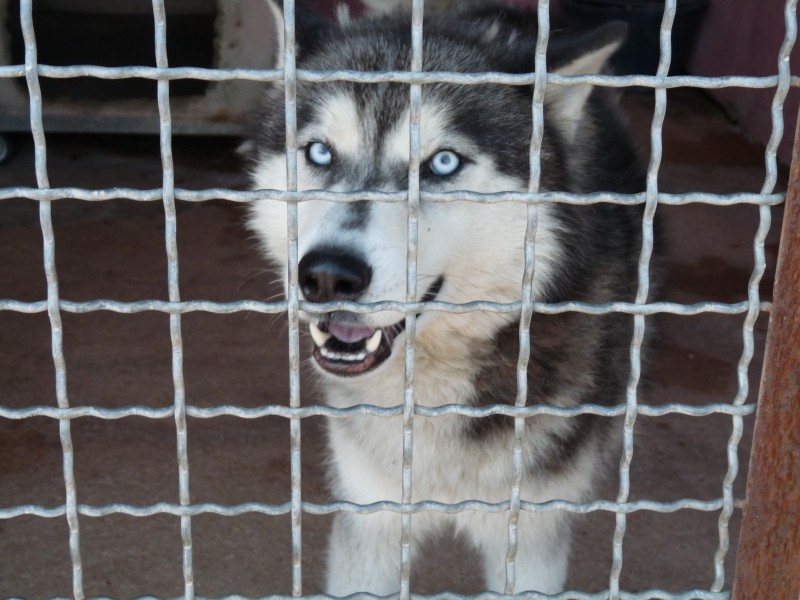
(309, 28)
(584, 55)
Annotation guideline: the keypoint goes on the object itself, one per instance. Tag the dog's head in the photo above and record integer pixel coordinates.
(355, 136)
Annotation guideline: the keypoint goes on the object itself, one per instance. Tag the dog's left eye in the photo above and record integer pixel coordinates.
(319, 154)
(444, 163)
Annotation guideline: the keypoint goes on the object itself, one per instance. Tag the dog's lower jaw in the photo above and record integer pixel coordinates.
(338, 356)
(348, 349)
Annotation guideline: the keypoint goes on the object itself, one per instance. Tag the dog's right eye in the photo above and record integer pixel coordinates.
(444, 163)
(319, 154)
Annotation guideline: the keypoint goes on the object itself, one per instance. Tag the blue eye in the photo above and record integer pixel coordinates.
(319, 154)
(444, 163)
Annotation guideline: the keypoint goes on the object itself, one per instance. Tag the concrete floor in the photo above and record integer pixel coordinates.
(116, 250)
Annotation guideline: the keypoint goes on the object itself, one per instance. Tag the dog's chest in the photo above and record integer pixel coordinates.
(447, 466)
(448, 463)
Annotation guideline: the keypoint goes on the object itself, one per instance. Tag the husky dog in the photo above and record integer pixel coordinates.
(354, 137)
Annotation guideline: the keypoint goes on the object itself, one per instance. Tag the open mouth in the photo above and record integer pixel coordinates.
(348, 348)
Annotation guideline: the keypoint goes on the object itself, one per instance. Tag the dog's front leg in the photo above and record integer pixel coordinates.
(364, 554)
(542, 553)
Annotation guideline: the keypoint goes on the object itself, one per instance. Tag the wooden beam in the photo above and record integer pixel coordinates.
(768, 561)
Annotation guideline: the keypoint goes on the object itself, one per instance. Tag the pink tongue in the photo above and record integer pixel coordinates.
(349, 333)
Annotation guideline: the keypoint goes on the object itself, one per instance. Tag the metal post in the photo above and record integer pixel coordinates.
(768, 562)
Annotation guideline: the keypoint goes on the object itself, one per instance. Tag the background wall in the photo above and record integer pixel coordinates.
(742, 38)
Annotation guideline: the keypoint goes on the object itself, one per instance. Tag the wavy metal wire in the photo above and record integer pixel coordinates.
(53, 309)
(760, 264)
(526, 309)
(176, 338)
(651, 203)
(296, 507)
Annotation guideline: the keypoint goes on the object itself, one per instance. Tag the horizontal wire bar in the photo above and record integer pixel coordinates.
(276, 410)
(274, 510)
(205, 195)
(226, 308)
(568, 595)
(277, 75)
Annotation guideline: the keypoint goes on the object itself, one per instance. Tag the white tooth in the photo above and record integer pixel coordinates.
(373, 342)
(319, 336)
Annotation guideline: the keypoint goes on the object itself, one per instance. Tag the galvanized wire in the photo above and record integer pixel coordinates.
(274, 510)
(277, 75)
(646, 595)
(412, 247)
(53, 311)
(176, 338)
(226, 308)
(293, 297)
(632, 401)
(515, 506)
(526, 312)
(370, 409)
(373, 196)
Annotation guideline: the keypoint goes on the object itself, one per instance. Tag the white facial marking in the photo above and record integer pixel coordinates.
(338, 124)
(434, 134)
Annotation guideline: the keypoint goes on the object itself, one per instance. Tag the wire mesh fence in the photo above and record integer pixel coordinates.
(168, 193)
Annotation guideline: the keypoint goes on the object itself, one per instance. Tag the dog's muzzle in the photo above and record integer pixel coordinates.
(343, 345)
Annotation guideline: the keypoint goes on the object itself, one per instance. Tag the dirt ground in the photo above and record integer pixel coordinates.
(115, 250)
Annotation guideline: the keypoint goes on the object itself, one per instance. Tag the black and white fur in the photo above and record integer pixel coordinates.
(467, 252)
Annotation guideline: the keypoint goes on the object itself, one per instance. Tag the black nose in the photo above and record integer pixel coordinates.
(326, 275)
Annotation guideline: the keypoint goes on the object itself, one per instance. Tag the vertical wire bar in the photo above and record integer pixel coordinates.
(765, 218)
(171, 242)
(415, 117)
(53, 311)
(526, 314)
(651, 203)
(293, 308)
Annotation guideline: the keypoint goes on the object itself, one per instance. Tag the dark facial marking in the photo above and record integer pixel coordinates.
(357, 216)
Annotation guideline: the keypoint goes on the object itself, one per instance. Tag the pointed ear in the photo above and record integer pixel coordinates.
(309, 28)
(586, 55)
